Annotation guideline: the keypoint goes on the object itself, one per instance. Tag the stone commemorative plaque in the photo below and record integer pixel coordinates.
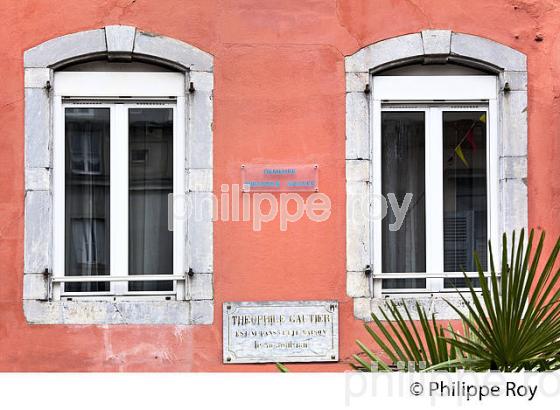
(268, 332)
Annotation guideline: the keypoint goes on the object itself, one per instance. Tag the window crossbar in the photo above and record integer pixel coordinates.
(420, 275)
(108, 278)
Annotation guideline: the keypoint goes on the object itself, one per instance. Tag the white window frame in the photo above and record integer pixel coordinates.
(432, 95)
(118, 91)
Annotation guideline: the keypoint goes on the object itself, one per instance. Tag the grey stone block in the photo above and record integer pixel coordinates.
(356, 82)
(357, 226)
(357, 284)
(37, 128)
(202, 312)
(357, 126)
(358, 170)
(514, 205)
(432, 305)
(199, 180)
(37, 312)
(514, 124)
(172, 50)
(120, 41)
(513, 167)
(200, 286)
(362, 308)
(37, 179)
(107, 313)
(200, 232)
(153, 312)
(38, 230)
(385, 51)
(517, 80)
(37, 77)
(489, 51)
(35, 286)
(199, 139)
(202, 81)
(66, 48)
(436, 41)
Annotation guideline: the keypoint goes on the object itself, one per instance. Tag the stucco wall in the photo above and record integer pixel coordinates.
(279, 97)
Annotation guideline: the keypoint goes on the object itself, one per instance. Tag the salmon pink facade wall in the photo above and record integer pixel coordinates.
(279, 97)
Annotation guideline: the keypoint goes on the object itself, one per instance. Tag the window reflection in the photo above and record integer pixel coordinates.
(150, 183)
(87, 196)
(403, 167)
(464, 190)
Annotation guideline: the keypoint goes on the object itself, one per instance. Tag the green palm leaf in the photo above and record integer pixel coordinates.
(510, 323)
(408, 346)
(513, 322)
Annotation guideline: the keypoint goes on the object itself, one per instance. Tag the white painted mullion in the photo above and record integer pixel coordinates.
(179, 221)
(58, 179)
(375, 193)
(434, 197)
(493, 183)
(119, 196)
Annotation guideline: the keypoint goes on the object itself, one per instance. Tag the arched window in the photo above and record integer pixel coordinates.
(128, 118)
(436, 156)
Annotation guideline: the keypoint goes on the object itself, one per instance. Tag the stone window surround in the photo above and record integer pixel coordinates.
(429, 47)
(117, 43)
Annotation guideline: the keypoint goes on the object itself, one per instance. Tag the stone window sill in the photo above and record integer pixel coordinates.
(77, 312)
(432, 304)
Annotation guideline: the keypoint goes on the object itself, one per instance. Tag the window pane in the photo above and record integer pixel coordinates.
(460, 283)
(414, 283)
(403, 147)
(150, 183)
(464, 189)
(87, 196)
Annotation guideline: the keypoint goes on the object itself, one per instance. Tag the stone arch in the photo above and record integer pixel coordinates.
(117, 43)
(437, 46)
